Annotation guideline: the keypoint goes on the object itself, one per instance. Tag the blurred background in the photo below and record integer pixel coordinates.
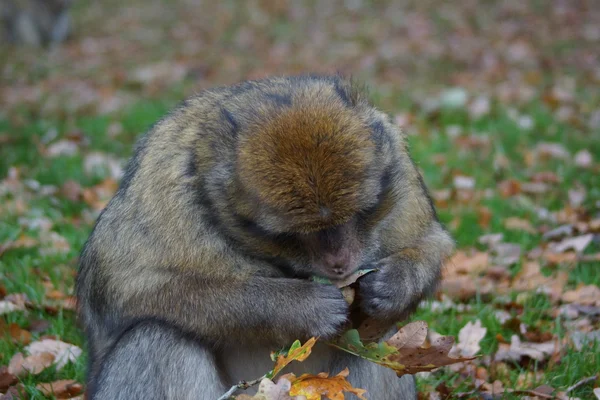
(500, 100)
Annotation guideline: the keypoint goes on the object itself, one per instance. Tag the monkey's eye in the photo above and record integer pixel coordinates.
(251, 227)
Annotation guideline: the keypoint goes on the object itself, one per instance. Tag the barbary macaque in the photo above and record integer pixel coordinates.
(201, 264)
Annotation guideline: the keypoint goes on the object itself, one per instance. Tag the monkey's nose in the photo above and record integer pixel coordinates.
(339, 270)
(338, 262)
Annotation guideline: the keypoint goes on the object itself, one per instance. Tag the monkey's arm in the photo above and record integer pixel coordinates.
(256, 309)
(414, 246)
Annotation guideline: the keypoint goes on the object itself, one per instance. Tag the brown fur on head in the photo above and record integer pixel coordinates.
(308, 162)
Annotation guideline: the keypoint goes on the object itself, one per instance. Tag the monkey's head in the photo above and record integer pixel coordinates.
(314, 179)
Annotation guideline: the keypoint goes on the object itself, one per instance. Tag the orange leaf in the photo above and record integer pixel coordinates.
(63, 389)
(313, 387)
(296, 352)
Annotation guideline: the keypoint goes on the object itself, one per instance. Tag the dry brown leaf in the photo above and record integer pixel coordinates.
(519, 224)
(560, 258)
(517, 349)
(509, 188)
(16, 392)
(530, 278)
(33, 364)
(62, 389)
(587, 295)
(466, 263)
(462, 287)
(18, 334)
(411, 335)
(7, 379)
(71, 190)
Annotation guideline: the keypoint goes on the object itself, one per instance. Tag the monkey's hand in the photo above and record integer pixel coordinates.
(401, 282)
(326, 312)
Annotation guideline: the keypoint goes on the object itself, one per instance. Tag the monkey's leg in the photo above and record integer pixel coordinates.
(153, 360)
(380, 383)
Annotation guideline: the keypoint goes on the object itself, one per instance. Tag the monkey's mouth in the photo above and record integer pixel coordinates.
(336, 274)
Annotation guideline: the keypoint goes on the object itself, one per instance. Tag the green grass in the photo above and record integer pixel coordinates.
(21, 269)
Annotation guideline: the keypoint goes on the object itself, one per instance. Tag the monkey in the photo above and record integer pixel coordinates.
(38, 23)
(201, 263)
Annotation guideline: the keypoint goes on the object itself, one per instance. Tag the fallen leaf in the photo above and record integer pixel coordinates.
(62, 352)
(517, 349)
(469, 338)
(466, 263)
(546, 150)
(509, 188)
(584, 159)
(479, 107)
(453, 98)
(62, 148)
(462, 182)
(20, 365)
(559, 232)
(101, 164)
(7, 307)
(53, 243)
(16, 392)
(586, 295)
(581, 339)
(491, 239)
(62, 389)
(314, 387)
(519, 224)
(7, 379)
(530, 278)
(71, 190)
(507, 253)
(577, 196)
(38, 325)
(462, 287)
(18, 334)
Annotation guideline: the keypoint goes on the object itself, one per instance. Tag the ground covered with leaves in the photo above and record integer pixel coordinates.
(501, 102)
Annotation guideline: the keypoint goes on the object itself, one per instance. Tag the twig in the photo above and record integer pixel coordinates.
(581, 383)
(242, 385)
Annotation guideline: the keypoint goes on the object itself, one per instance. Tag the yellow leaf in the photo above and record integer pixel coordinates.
(313, 387)
(296, 352)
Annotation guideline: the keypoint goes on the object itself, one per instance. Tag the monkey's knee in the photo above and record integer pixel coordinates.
(153, 360)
